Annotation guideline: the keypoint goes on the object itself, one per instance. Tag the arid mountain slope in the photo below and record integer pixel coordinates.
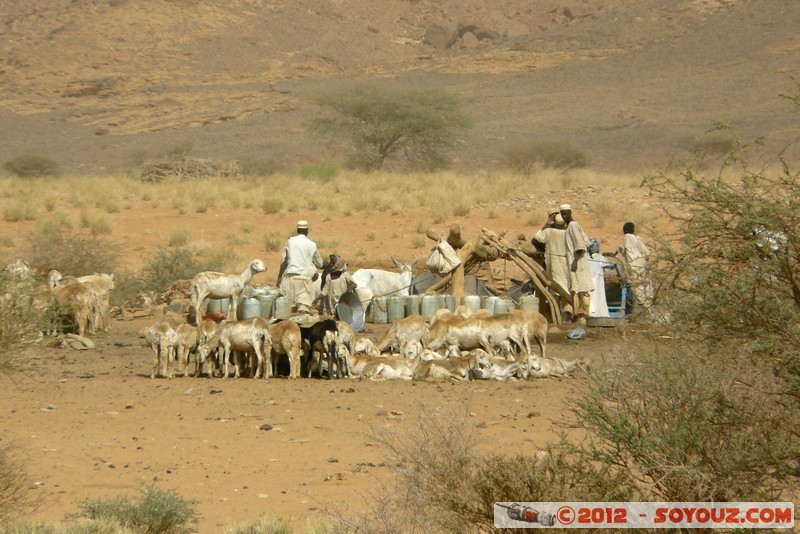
(98, 84)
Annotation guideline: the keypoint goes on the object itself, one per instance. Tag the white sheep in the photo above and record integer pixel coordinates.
(163, 340)
(80, 299)
(103, 284)
(214, 285)
(250, 336)
(187, 342)
(403, 331)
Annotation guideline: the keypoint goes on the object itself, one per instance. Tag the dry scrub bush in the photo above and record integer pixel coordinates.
(719, 422)
(55, 245)
(156, 512)
(691, 426)
(24, 314)
(444, 485)
(283, 526)
(91, 526)
(16, 496)
(170, 264)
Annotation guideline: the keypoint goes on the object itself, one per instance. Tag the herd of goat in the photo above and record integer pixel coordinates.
(461, 344)
(457, 345)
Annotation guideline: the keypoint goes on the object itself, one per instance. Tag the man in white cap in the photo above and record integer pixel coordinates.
(298, 268)
(553, 237)
(581, 284)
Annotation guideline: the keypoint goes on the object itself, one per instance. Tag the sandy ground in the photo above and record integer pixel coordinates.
(98, 427)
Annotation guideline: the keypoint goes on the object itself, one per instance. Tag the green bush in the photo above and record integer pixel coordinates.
(170, 264)
(322, 172)
(157, 512)
(32, 166)
(716, 419)
(127, 286)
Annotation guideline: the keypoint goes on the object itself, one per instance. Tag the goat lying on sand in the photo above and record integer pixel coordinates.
(456, 368)
(556, 367)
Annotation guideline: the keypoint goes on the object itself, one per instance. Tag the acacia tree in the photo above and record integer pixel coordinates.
(413, 128)
(717, 416)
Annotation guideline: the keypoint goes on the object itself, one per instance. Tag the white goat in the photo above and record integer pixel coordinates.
(392, 368)
(103, 284)
(364, 345)
(456, 368)
(286, 340)
(163, 340)
(556, 367)
(187, 342)
(81, 299)
(250, 336)
(406, 330)
(213, 285)
(208, 329)
(502, 369)
(474, 332)
(372, 283)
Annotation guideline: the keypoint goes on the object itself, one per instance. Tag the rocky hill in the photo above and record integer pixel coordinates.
(100, 84)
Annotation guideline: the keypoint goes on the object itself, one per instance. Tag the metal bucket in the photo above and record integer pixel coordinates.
(249, 308)
(212, 306)
(488, 303)
(396, 309)
(430, 303)
(503, 306)
(267, 305)
(380, 311)
(350, 310)
(283, 307)
(450, 302)
(413, 303)
(529, 303)
(473, 302)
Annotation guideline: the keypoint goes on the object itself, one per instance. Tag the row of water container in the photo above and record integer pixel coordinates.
(391, 309)
(270, 304)
(383, 309)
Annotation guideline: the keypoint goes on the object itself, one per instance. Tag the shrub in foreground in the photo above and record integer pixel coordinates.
(157, 512)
